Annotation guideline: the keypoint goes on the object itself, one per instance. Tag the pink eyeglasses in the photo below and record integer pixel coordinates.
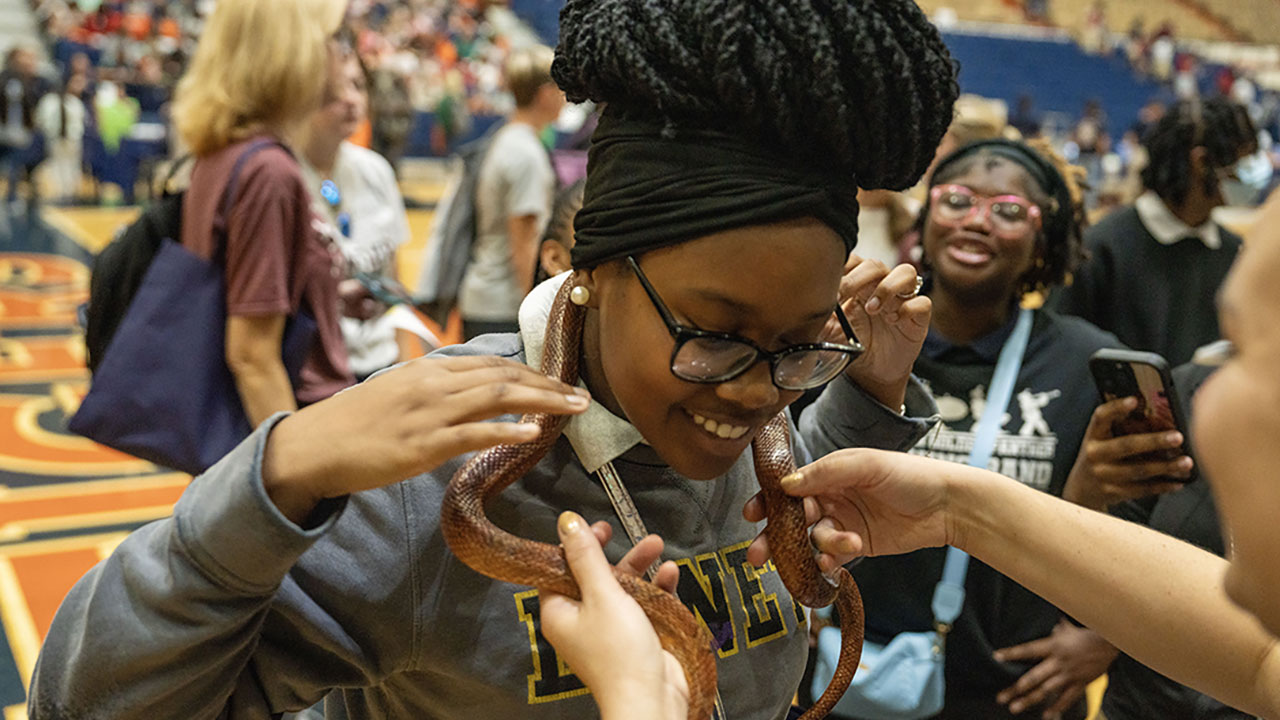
(1011, 216)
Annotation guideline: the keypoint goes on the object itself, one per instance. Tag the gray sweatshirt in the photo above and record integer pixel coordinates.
(229, 610)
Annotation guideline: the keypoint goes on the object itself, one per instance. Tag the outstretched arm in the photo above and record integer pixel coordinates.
(193, 616)
(1160, 600)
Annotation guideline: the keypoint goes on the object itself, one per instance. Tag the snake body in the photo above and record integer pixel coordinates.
(788, 536)
(491, 551)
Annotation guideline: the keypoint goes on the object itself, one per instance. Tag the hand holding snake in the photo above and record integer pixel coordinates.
(489, 550)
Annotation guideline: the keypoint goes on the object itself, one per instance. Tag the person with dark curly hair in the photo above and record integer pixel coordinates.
(709, 266)
(1155, 267)
(1003, 221)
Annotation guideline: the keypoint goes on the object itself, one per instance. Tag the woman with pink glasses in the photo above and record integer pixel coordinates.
(1003, 221)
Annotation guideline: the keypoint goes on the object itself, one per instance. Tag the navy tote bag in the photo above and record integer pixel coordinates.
(163, 391)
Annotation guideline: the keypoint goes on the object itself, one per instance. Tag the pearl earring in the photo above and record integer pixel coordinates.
(579, 295)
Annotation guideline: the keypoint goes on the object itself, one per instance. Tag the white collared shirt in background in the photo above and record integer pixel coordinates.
(1167, 229)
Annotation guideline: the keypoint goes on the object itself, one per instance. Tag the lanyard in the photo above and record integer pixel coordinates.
(625, 507)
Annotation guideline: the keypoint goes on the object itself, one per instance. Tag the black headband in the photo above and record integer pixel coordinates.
(1041, 171)
(648, 189)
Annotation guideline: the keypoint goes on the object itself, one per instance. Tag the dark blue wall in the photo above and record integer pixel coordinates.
(542, 15)
(1057, 74)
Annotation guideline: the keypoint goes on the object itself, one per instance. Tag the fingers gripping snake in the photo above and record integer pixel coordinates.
(493, 552)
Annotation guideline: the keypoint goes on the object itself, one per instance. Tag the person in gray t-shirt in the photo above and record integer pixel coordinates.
(514, 193)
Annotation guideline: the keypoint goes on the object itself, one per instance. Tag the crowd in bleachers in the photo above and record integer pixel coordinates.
(124, 59)
(441, 59)
(438, 47)
(438, 56)
(1094, 97)
(142, 45)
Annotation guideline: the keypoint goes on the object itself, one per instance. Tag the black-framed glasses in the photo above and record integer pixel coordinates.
(702, 356)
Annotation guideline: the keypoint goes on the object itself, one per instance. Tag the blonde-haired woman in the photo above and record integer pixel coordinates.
(249, 87)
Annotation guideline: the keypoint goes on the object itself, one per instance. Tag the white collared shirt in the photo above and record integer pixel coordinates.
(597, 435)
(1167, 229)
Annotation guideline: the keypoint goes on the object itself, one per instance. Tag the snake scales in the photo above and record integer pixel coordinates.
(498, 554)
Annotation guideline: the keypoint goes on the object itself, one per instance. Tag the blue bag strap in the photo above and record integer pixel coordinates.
(948, 595)
(229, 195)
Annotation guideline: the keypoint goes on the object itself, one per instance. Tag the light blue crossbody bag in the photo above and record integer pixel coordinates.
(903, 680)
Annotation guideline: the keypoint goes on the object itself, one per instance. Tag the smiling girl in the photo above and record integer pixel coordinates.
(710, 254)
(1003, 219)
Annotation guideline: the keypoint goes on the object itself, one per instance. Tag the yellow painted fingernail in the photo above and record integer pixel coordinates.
(791, 480)
(570, 522)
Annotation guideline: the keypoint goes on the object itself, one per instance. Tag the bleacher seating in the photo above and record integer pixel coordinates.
(1187, 23)
(543, 16)
(1259, 20)
(1071, 14)
(1059, 75)
(1056, 73)
(987, 11)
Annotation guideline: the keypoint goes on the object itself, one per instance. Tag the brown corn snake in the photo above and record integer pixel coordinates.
(495, 553)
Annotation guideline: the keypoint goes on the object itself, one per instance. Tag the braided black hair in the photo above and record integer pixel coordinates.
(855, 86)
(1222, 128)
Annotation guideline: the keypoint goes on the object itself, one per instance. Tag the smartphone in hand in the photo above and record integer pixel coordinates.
(385, 290)
(1126, 373)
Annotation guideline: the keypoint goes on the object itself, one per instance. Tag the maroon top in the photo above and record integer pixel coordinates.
(277, 262)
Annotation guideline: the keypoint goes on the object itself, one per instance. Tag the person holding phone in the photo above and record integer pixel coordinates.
(1137, 476)
(1136, 444)
(1003, 219)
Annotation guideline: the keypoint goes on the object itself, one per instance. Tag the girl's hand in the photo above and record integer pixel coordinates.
(870, 502)
(607, 640)
(404, 422)
(1111, 468)
(891, 321)
(1067, 661)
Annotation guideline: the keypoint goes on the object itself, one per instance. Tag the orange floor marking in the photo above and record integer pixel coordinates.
(46, 579)
(23, 309)
(41, 358)
(29, 448)
(109, 501)
(42, 269)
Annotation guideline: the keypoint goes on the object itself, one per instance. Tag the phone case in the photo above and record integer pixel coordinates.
(1127, 373)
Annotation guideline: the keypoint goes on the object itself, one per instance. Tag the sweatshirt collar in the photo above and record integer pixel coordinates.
(597, 435)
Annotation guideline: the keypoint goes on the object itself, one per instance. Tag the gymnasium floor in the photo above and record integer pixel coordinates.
(66, 502)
